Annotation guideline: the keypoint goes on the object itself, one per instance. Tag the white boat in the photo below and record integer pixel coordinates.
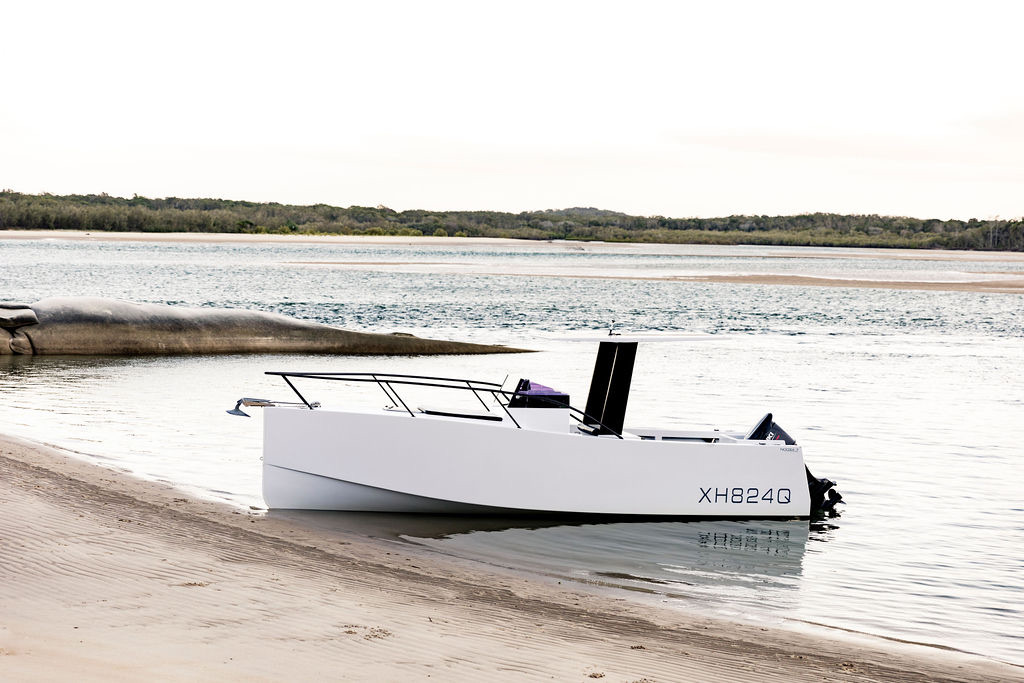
(525, 451)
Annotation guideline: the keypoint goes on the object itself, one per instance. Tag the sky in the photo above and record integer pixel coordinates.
(676, 109)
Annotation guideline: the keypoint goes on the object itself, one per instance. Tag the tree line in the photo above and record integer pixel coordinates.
(173, 214)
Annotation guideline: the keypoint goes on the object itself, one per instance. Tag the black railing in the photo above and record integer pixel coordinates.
(387, 382)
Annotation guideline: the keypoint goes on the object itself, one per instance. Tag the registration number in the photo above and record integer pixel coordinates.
(751, 495)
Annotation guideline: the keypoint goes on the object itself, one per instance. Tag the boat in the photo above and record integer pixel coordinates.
(524, 450)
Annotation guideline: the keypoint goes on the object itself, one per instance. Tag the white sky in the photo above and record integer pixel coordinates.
(652, 108)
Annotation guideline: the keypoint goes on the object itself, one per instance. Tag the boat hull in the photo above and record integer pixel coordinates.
(396, 462)
(390, 462)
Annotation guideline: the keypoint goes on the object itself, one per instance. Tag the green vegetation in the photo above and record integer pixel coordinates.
(103, 212)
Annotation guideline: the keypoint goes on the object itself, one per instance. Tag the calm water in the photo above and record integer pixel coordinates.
(911, 400)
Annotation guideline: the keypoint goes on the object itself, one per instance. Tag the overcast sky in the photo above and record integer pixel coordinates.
(674, 108)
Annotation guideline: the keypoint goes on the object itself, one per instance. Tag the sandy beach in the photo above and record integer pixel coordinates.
(108, 577)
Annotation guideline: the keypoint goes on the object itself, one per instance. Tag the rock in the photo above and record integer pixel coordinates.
(104, 327)
(13, 316)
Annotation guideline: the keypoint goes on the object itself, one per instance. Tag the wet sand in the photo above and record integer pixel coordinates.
(107, 577)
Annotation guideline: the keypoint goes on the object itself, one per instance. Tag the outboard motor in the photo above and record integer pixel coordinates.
(819, 488)
(768, 430)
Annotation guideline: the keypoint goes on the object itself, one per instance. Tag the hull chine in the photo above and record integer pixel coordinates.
(286, 489)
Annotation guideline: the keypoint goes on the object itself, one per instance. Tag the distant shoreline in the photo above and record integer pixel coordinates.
(582, 224)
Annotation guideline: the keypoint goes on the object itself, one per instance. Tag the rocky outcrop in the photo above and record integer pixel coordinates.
(104, 327)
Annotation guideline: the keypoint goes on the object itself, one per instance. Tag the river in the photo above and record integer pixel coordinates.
(910, 399)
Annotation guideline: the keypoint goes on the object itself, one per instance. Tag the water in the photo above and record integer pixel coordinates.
(910, 399)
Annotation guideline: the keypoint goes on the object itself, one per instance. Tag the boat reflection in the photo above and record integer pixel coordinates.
(751, 562)
(397, 526)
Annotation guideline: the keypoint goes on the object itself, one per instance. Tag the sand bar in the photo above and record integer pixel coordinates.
(245, 238)
(1009, 283)
(739, 251)
(993, 282)
(107, 577)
